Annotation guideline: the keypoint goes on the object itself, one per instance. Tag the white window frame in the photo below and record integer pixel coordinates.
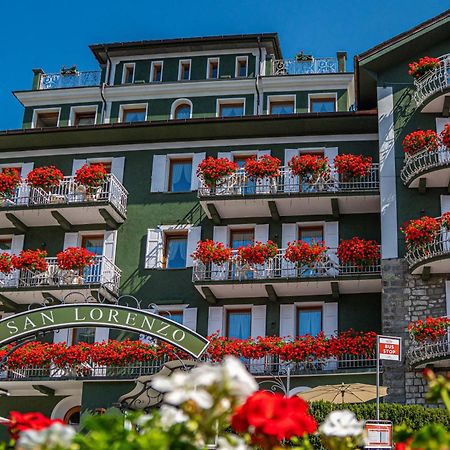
(180, 64)
(167, 229)
(125, 106)
(124, 71)
(307, 305)
(208, 67)
(38, 111)
(320, 95)
(236, 68)
(152, 69)
(281, 98)
(229, 101)
(179, 102)
(82, 109)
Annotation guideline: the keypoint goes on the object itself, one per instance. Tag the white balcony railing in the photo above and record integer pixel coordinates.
(296, 67)
(438, 248)
(287, 183)
(69, 192)
(434, 81)
(102, 272)
(78, 79)
(279, 268)
(429, 351)
(424, 161)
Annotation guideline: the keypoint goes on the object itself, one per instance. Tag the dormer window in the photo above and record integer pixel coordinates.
(212, 72)
(241, 66)
(184, 70)
(46, 118)
(84, 118)
(128, 74)
(322, 103)
(156, 72)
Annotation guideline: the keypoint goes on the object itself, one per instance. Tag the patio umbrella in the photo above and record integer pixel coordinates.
(343, 393)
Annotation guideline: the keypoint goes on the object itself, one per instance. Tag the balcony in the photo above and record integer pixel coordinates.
(307, 67)
(432, 87)
(431, 166)
(24, 287)
(289, 195)
(281, 278)
(436, 353)
(433, 257)
(71, 80)
(67, 205)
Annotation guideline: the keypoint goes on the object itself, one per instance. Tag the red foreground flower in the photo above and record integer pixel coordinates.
(29, 421)
(45, 178)
(424, 65)
(271, 418)
(264, 167)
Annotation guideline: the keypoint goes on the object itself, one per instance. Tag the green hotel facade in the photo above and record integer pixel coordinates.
(151, 113)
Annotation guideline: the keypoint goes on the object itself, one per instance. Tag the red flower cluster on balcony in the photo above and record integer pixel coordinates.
(9, 181)
(430, 329)
(211, 170)
(257, 253)
(357, 251)
(75, 258)
(264, 167)
(36, 421)
(445, 135)
(271, 418)
(209, 251)
(6, 263)
(424, 65)
(352, 167)
(419, 232)
(31, 260)
(420, 140)
(91, 175)
(304, 253)
(45, 178)
(445, 220)
(311, 166)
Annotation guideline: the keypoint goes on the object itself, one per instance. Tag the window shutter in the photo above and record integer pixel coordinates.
(101, 334)
(153, 253)
(260, 153)
(288, 233)
(258, 327)
(24, 189)
(215, 320)
(331, 235)
(159, 173)
(291, 184)
(196, 160)
(330, 318)
(220, 234)
(77, 164)
(26, 169)
(190, 318)
(117, 168)
(109, 245)
(331, 153)
(445, 204)
(262, 232)
(194, 235)
(287, 320)
(17, 243)
(70, 240)
(61, 336)
(289, 153)
(227, 155)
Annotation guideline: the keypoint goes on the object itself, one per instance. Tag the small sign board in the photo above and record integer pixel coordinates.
(390, 348)
(378, 434)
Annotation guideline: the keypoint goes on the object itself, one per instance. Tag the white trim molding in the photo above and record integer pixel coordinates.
(323, 95)
(229, 101)
(177, 103)
(152, 70)
(281, 98)
(37, 111)
(208, 67)
(180, 66)
(125, 68)
(82, 109)
(236, 67)
(125, 106)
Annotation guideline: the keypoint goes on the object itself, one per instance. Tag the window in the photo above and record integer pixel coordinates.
(310, 234)
(83, 335)
(241, 66)
(106, 164)
(84, 118)
(180, 172)
(212, 72)
(93, 243)
(128, 74)
(239, 323)
(322, 104)
(72, 417)
(156, 75)
(241, 238)
(46, 119)
(231, 109)
(5, 245)
(134, 114)
(281, 107)
(309, 321)
(184, 70)
(183, 111)
(175, 251)
(176, 316)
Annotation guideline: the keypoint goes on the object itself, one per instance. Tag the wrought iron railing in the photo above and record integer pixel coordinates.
(102, 272)
(298, 67)
(240, 184)
(433, 81)
(424, 161)
(279, 268)
(437, 248)
(428, 351)
(265, 366)
(69, 80)
(70, 192)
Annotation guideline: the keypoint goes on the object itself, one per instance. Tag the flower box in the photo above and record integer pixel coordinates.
(257, 253)
(420, 140)
(264, 167)
(45, 178)
(352, 167)
(212, 170)
(33, 260)
(359, 252)
(209, 252)
(423, 66)
(304, 253)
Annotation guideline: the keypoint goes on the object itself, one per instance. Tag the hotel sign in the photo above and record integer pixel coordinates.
(28, 323)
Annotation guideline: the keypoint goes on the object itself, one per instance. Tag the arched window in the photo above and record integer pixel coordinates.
(181, 109)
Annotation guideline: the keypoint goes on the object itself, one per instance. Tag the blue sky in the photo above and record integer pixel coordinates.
(52, 34)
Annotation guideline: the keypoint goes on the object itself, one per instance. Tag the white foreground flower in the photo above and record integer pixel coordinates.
(55, 436)
(240, 382)
(341, 424)
(171, 416)
(231, 443)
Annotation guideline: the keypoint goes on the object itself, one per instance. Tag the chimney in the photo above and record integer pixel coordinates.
(342, 61)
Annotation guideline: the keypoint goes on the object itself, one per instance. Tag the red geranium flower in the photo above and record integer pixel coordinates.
(419, 232)
(430, 329)
(258, 253)
(31, 260)
(309, 165)
(424, 65)
(75, 258)
(211, 170)
(212, 252)
(9, 181)
(420, 140)
(264, 167)
(91, 175)
(29, 421)
(45, 177)
(445, 135)
(304, 253)
(6, 265)
(352, 166)
(360, 252)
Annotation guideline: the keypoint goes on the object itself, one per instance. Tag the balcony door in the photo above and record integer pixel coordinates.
(239, 323)
(245, 185)
(241, 238)
(310, 235)
(95, 244)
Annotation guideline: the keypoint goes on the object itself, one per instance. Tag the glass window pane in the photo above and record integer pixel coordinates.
(309, 321)
(214, 72)
(325, 105)
(183, 112)
(180, 176)
(242, 238)
(5, 245)
(311, 234)
(239, 324)
(82, 119)
(134, 115)
(83, 335)
(176, 316)
(45, 120)
(93, 244)
(281, 107)
(232, 110)
(176, 252)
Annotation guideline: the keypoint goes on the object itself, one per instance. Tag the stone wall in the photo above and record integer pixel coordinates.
(407, 298)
